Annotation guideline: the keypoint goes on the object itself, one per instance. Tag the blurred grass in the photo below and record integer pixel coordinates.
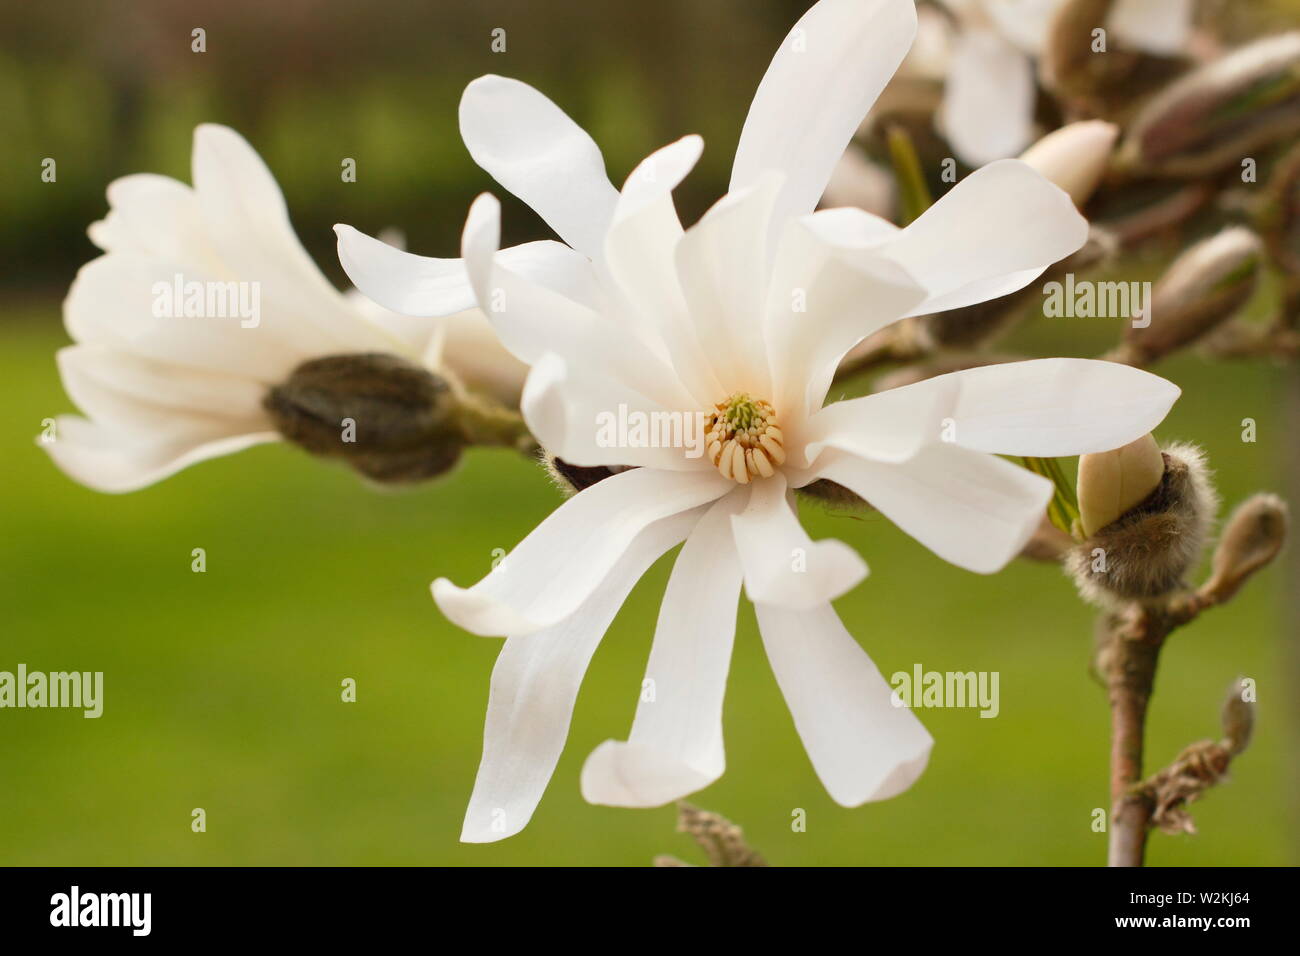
(222, 688)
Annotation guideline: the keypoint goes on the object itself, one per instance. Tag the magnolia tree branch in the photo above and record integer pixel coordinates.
(1128, 659)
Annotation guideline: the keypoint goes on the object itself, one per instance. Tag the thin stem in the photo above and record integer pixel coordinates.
(1135, 651)
(485, 422)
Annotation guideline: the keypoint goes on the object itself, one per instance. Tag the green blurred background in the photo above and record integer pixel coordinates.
(222, 688)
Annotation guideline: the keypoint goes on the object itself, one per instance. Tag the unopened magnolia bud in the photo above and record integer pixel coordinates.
(1237, 718)
(1252, 538)
(1075, 156)
(1203, 287)
(1069, 66)
(1216, 115)
(1113, 482)
(1279, 213)
(391, 420)
(1145, 553)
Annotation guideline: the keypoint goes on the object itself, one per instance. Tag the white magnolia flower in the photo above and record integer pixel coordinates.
(163, 389)
(743, 319)
(988, 105)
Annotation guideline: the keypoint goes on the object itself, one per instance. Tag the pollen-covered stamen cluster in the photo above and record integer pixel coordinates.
(743, 438)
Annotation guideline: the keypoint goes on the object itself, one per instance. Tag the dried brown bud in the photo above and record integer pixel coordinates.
(722, 841)
(1215, 116)
(1146, 553)
(1203, 287)
(1252, 537)
(388, 418)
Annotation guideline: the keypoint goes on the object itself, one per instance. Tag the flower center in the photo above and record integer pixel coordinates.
(743, 438)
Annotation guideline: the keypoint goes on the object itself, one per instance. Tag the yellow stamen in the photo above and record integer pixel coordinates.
(743, 438)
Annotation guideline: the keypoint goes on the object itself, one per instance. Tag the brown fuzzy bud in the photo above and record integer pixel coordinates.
(388, 418)
(1238, 717)
(1251, 538)
(1146, 553)
(1204, 286)
(1215, 116)
(1068, 66)
(574, 478)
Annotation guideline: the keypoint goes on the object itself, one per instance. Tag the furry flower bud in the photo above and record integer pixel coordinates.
(1252, 538)
(1237, 718)
(1145, 552)
(391, 420)
(1214, 116)
(1204, 286)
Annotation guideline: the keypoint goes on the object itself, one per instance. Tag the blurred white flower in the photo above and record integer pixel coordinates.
(988, 106)
(742, 320)
(858, 181)
(161, 389)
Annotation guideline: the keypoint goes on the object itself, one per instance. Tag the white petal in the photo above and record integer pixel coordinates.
(831, 287)
(533, 149)
(111, 460)
(723, 267)
(988, 100)
(534, 685)
(889, 426)
(862, 746)
(566, 557)
(1156, 26)
(113, 300)
(588, 419)
(1048, 408)
(155, 216)
(245, 217)
(969, 508)
(532, 320)
(157, 399)
(472, 350)
(782, 565)
(424, 286)
(991, 234)
(675, 746)
(1024, 22)
(639, 251)
(822, 81)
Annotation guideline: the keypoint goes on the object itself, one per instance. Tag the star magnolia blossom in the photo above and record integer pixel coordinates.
(742, 319)
(989, 91)
(163, 391)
